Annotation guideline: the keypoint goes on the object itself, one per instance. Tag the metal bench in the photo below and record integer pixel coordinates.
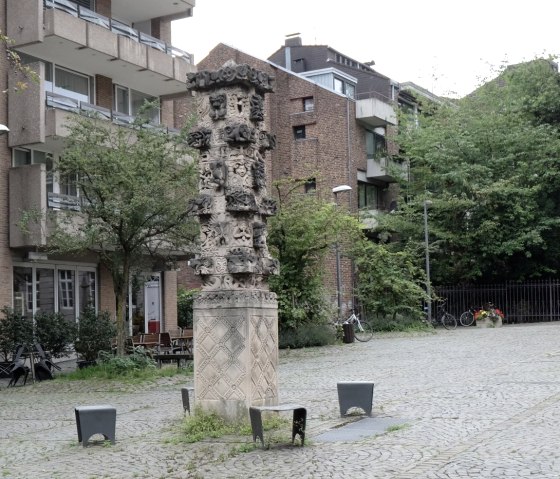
(357, 394)
(92, 420)
(298, 421)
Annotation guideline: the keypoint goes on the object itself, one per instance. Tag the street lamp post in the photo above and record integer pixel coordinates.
(4, 129)
(336, 191)
(427, 246)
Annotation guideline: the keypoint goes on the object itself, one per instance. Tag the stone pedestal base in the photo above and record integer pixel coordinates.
(235, 351)
(488, 323)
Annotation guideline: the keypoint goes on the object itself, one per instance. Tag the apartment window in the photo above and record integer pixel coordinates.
(53, 288)
(67, 185)
(368, 196)
(310, 185)
(129, 102)
(66, 289)
(299, 132)
(338, 85)
(308, 104)
(344, 88)
(375, 145)
(68, 83)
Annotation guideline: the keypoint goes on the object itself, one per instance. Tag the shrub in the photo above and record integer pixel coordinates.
(54, 332)
(185, 301)
(396, 323)
(121, 366)
(14, 329)
(95, 332)
(307, 334)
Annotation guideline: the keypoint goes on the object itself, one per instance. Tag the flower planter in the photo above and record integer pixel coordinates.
(488, 323)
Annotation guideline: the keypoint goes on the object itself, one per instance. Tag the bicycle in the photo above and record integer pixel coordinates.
(363, 331)
(446, 319)
(467, 318)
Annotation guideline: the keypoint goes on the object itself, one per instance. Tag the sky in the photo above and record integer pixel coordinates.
(448, 47)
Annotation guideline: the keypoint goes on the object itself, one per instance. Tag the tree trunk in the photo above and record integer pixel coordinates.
(121, 291)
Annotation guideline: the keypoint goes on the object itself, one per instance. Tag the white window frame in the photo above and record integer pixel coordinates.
(130, 93)
(50, 85)
(57, 267)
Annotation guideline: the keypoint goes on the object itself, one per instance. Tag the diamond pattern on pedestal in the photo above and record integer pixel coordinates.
(220, 344)
(264, 341)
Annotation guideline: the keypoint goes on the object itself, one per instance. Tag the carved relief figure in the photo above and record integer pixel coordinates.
(240, 200)
(202, 265)
(218, 106)
(239, 173)
(218, 169)
(221, 229)
(201, 205)
(204, 79)
(259, 175)
(242, 234)
(239, 133)
(259, 235)
(241, 262)
(207, 237)
(200, 139)
(267, 140)
(257, 108)
(220, 265)
(268, 207)
(270, 266)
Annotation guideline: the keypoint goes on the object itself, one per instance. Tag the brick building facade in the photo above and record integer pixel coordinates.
(85, 60)
(324, 134)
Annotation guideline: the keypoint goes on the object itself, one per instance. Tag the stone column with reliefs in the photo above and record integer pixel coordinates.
(235, 314)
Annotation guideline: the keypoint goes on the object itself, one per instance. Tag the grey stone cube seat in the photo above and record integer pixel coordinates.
(358, 394)
(298, 420)
(92, 420)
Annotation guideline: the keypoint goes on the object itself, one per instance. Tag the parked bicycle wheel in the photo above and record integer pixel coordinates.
(449, 321)
(363, 331)
(467, 318)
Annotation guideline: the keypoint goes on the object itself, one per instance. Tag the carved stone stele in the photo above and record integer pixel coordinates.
(235, 315)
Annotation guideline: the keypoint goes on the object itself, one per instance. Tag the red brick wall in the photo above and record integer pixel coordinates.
(5, 164)
(186, 277)
(104, 91)
(103, 7)
(333, 151)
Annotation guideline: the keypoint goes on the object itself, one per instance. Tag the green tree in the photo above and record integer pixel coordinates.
(489, 165)
(388, 282)
(135, 185)
(300, 236)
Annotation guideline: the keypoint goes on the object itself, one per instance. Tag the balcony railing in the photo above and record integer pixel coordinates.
(61, 102)
(63, 202)
(118, 28)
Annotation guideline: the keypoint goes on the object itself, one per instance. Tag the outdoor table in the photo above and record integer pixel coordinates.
(185, 341)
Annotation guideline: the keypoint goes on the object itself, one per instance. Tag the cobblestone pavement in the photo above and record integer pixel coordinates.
(475, 403)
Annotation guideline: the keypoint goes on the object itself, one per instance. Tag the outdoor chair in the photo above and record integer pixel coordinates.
(166, 345)
(18, 367)
(43, 368)
(5, 370)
